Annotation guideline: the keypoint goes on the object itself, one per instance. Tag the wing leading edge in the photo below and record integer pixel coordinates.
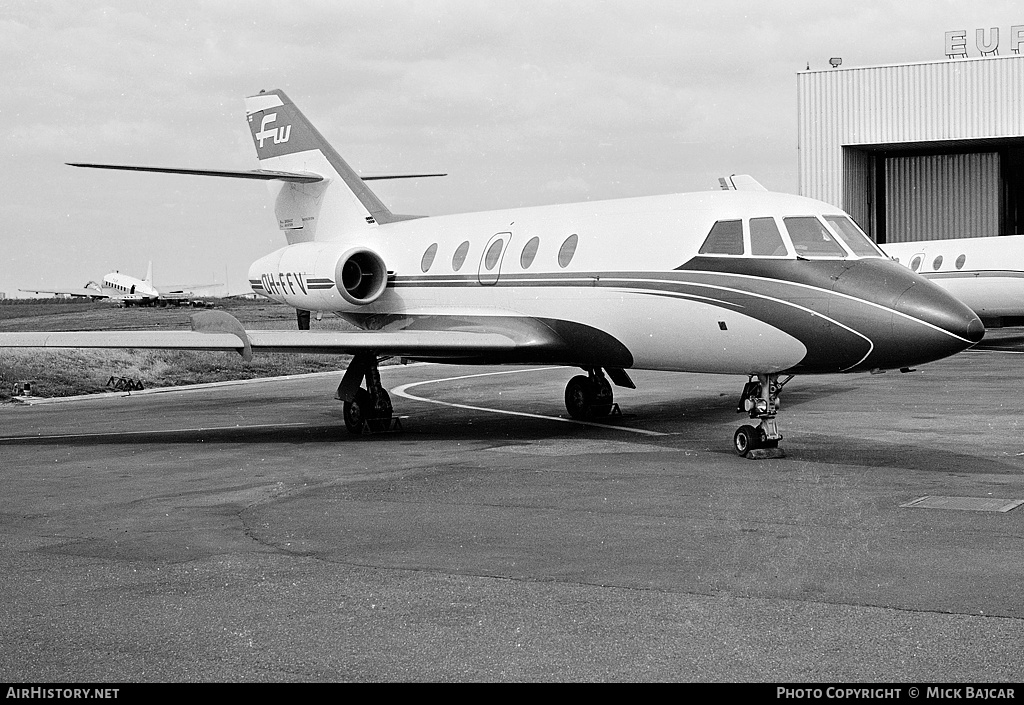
(406, 343)
(219, 331)
(82, 293)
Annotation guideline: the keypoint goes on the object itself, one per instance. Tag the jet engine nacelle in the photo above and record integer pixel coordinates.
(360, 276)
(321, 276)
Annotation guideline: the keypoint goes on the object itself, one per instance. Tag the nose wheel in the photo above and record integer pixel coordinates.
(760, 400)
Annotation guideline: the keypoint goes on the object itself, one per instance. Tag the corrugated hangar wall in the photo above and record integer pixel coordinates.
(917, 151)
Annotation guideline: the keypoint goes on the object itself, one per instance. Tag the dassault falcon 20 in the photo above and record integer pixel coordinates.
(751, 283)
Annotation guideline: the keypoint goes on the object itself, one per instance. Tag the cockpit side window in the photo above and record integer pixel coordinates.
(853, 236)
(765, 238)
(811, 238)
(725, 238)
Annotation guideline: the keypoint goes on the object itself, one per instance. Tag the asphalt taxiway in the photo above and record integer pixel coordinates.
(237, 533)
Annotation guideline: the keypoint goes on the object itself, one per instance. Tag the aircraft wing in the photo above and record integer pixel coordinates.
(392, 343)
(90, 293)
(425, 343)
(217, 330)
(157, 339)
(214, 330)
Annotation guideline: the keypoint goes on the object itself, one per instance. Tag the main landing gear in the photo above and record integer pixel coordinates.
(366, 409)
(760, 399)
(590, 396)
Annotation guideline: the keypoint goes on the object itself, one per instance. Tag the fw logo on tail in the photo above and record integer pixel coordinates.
(280, 134)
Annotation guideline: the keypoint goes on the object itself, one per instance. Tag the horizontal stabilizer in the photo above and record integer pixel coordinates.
(381, 177)
(261, 174)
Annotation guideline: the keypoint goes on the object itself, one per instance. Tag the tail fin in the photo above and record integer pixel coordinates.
(149, 274)
(286, 141)
(740, 182)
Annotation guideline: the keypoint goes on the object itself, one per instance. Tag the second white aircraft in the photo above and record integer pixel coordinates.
(124, 289)
(986, 273)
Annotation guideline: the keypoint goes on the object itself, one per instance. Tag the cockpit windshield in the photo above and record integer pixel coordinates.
(853, 236)
(725, 238)
(811, 238)
(809, 235)
(765, 239)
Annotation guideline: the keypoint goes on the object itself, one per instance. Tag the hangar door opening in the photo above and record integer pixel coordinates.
(908, 195)
(941, 196)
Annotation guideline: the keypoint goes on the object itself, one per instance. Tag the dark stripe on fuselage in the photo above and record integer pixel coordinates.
(850, 315)
(908, 320)
(799, 311)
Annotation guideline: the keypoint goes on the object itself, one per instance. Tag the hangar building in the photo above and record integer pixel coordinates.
(920, 151)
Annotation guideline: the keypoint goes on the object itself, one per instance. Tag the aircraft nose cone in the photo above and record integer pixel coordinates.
(953, 326)
(916, 321)
(975, 330)
(929, 303)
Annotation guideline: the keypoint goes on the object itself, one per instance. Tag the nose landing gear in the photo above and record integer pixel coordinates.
(760, 400)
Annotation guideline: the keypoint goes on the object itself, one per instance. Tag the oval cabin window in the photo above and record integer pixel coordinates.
(493, 254)
(567, 250)
(529, 252)
(960, 261)
(459, 258)
(937, 262)
(428, 257)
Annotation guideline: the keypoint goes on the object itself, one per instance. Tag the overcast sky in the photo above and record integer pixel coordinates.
(522, 102)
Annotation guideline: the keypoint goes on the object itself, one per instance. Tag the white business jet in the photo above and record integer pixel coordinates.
(751, 283)
(986, 273)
